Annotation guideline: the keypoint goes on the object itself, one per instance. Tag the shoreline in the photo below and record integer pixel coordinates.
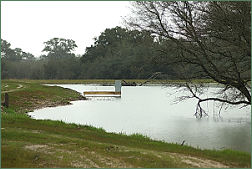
(25, 139)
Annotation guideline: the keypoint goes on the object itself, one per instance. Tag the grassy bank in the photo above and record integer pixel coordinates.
(43, 143)
(28, 96)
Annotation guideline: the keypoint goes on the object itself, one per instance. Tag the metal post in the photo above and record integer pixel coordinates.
(6, 100)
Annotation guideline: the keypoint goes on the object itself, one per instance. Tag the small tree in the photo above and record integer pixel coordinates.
(60, 61)
(59, 47)
(5, 48)
(8, 53)
(212, 37)
(16, 54)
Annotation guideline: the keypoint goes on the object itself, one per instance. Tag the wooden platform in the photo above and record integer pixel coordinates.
(103, 93)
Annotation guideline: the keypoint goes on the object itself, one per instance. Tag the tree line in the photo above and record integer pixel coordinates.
(118, 53)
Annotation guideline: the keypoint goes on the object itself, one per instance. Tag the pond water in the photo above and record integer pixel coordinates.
(151, 111)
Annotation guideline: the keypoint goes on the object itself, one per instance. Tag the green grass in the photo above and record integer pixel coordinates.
(34, 95)
(59, 138)
(9, 86)
(44, 143)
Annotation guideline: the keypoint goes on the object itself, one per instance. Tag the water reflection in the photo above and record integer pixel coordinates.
(149, 110)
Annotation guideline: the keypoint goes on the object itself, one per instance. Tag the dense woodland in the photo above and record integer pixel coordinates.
(118, 53)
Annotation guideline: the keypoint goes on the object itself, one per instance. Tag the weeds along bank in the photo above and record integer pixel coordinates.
(44, 143)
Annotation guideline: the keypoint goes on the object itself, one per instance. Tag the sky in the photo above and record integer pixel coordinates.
(27, 25)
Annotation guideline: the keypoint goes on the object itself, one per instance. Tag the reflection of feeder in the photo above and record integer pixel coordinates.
(116, 93)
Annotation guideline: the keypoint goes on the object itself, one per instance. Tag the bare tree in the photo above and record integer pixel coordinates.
(211, 37)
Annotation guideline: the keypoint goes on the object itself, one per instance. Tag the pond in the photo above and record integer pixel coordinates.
(151, 111)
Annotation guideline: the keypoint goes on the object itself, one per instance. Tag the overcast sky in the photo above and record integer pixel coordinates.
(27, 25)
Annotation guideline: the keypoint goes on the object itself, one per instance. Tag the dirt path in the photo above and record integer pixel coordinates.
(13, 90)
(190, 160)
(83, 158)
(199, 162)
(92, 159)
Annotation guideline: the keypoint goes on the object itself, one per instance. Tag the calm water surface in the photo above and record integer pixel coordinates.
(150, 110)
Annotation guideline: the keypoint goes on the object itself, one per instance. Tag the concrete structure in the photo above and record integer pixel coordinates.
(116, 93)
(118, 86)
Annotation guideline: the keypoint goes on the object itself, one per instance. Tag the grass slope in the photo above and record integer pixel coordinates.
(44, 143)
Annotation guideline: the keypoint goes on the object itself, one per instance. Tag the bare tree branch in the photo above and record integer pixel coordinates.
(213, 37)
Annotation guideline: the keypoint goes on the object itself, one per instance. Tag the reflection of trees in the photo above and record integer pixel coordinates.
(234, 137)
